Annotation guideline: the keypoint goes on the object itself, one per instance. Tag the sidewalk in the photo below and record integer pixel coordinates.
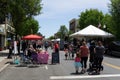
(3, 59)
(3, 54)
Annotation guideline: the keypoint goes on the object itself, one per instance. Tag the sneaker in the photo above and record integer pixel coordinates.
(9, 57)
(98, 72)
(82, 71)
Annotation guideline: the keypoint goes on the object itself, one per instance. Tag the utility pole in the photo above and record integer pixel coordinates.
(5, 31)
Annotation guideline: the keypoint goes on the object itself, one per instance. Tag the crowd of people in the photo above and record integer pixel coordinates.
(94, 53)
(33, 50)
(84, 52)
(80, 52)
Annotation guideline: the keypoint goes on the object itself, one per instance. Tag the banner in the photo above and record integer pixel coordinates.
(15, 47)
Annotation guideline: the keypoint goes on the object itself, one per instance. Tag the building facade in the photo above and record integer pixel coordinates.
(6, 34)
(73, 25)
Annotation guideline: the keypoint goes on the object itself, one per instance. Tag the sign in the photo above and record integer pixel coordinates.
(55, 58)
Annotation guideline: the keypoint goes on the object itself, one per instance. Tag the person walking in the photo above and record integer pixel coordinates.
(56, 47)
(46, 45)
(18, 47)
(77, 62)
(92, 55)
(55, 54)
(11, 46)
(84, 51)
(66, 48)
(99, 52)
(24, 46)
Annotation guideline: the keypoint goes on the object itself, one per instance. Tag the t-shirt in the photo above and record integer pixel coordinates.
(84, 51)
(91, 48)
(99, 51)
(56, 46)
(77, 59)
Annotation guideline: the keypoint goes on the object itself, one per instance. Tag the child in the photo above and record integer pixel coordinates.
(77, 62)
(66, 53)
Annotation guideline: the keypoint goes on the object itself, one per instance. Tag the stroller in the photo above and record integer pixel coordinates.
(93, 67)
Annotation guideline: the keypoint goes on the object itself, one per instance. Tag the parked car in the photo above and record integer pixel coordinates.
(114, 48)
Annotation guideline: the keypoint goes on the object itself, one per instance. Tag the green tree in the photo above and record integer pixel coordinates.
(22, 11)
(39, 34)
(4, 10)
(108, 22)
(63, 31)
(31, 26)
(115, 12)
(51, 37)
(90, 17)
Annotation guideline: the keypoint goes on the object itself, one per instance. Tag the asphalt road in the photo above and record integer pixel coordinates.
(63, 71)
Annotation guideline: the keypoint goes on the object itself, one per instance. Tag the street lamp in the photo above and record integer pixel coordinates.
(104, 26)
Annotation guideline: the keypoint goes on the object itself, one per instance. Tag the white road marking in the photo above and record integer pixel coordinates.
(4, 67)
(46, 67)
(85, 77)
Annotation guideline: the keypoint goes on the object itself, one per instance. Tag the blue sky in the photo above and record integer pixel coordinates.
(59, 12)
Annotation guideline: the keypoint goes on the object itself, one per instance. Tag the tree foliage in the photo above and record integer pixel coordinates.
(51, 37)
(31, 26)
(22, 12)
(90, 17)
(62, 32)
(108, 22)
(114, 8)
(4, 9)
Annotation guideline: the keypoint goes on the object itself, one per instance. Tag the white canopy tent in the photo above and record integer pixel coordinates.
(91, 31)
(58, 39)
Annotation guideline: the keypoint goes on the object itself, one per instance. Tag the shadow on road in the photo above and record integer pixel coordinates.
(76, 73)
(111, 56)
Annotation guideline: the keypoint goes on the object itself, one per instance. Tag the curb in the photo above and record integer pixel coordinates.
(4, 60)
(4, 67)
(4, 63)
